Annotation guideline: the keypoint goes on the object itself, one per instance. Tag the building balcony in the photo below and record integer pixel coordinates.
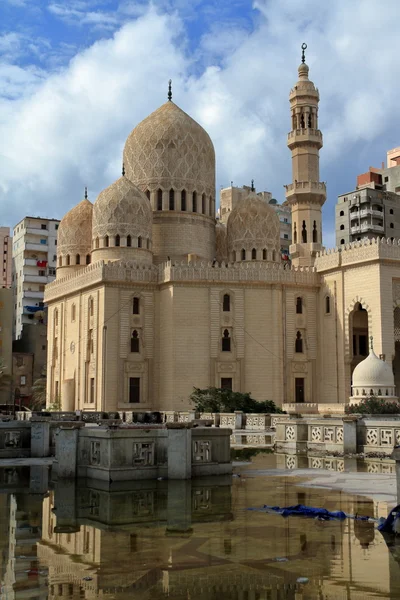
(366, 212)
(35, 278)
(30, 262)
(37, 231)
(367, 227)
(36, 247)
(33, 294)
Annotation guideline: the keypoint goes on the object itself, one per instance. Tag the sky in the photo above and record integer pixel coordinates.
(76, 76)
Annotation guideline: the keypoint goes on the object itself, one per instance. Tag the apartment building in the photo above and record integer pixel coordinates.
(34, 257)
(231, 195)
(373, 208)
(5, 257)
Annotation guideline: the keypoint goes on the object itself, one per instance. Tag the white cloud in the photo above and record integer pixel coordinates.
(59, 132)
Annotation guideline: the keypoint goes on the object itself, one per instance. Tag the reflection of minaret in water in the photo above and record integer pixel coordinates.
(306, 194)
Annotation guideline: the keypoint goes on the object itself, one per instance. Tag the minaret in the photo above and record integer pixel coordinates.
(306, 194)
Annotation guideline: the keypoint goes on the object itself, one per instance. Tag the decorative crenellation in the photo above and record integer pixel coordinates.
(130, 271)
(356, 252)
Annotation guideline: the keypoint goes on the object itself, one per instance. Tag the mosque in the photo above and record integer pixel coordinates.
(155, 296)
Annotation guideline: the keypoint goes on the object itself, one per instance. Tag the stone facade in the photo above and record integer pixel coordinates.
(200, 303)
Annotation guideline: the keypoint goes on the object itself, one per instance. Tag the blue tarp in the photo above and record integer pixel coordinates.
(305, 511)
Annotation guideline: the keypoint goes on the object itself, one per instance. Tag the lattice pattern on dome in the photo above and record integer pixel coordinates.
(122, 209)
(170, 150)
(397, 324)
(221, 243)
(74, 234)
(253, 224)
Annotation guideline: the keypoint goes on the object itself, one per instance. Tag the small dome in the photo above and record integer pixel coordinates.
(169, 149)
(373, 372)
(221, 253)
(122, 209)
(253, 223)
(75, 229)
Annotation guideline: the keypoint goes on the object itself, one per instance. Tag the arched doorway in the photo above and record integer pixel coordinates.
(359, 335)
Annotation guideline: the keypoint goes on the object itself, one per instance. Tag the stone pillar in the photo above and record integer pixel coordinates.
(40, 438)
(179, 451)
(38, 479)
(396, 456)
(66, 451)
(65, 506)
(179, 507)
(350, 435)
(193, 415)
(239, 418)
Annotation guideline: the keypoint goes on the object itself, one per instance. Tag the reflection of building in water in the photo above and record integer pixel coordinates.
(20, 531)
(189, 541)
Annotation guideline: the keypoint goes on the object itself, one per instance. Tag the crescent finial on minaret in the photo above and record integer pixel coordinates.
(170, 90)
(303, 53)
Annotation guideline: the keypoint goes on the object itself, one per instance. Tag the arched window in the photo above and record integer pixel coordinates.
(183, 200)
(299, 305)
(243, 254)
(379, 392)
(304, 233)
(91, 307)
(226, 304)
(391, 211)
(253, 254)
(273, 255)
(106, 241)
(60, 262)
(314, 233)
(309, 121)
(264, 254)
(159, 200)
(302, 123)
(73, 312)
(139, 242)
(226, 341)
(135, 341)
(55, 318)
(327, 305)
(391, 226)
(96, 245)
(342, 241)
(342, 227)
(135, 306)
(129, 241)
(117, 240)
(88, 259)
(294, 234)
(203, 204)
(299, 342)
(148, 244)
(171, 199)
(194, 201)
(211, 207)
(341, 214)
(78, 259)
(148, 194)
(68, 260)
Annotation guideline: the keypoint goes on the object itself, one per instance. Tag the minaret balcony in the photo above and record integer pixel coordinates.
(314, 189)
(300, 136)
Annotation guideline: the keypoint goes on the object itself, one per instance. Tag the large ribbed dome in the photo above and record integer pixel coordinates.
(122, 209)
(74, 231)
(373, 372)
(169, 149)
(253, 224)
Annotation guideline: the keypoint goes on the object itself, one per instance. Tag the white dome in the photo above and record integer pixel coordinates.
(373, 372)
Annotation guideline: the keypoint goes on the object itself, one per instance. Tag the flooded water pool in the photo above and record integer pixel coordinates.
(194, 540)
